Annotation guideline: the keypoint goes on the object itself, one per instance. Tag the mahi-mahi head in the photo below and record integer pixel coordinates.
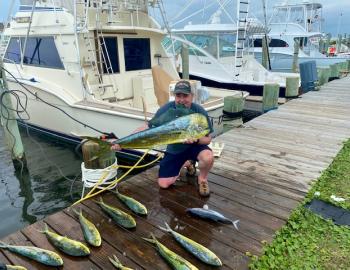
(193, 126)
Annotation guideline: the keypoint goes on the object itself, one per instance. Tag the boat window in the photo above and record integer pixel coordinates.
(41, 51)
(137, 53)
(297, 15)
(110, 54)
(273, 43)
(13, 52)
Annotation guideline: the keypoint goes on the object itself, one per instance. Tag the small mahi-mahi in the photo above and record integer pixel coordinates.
(120, 217)
(134, 205)
(90, 232)
(11, 267)
(40, 255)
(115, 261)
(65, 244)
(174, 260)
(202, 253)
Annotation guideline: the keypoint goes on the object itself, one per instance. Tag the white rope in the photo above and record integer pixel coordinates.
(90, 177)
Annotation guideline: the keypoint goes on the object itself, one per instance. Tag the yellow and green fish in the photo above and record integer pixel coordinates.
(193, 126)
(11, 267)
(202, 253)
(40, 255)
(66, 245)
(174, 260)
(135, 206)
(120, 217)
(90, 232)
(115, 261)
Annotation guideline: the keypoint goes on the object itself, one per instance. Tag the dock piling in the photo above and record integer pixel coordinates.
(9, 123)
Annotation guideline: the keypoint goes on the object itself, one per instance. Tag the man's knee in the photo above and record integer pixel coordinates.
(206, 157)
(166, 182)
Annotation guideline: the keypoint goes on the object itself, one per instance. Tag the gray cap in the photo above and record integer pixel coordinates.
(183, 87)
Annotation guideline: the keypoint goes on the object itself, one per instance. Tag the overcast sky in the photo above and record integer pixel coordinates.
(336, 13)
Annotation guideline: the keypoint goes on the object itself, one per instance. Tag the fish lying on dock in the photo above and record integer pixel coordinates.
(207, 213)
(120, 217)
(193, 126)
(90, 232)
(40, 255)
(115, 261)
(176, 261)
(202, 253)
(135, 206)
(66, 245)
(11, 267)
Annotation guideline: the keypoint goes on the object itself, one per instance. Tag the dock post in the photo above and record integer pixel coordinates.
(233, 110)
(265, 48)
(292, 87)
(323, 76)
(185, 62)
(270, 97)
(9, 123)
(295, 56)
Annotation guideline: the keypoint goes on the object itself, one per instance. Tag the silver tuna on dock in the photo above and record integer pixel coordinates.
(207, 213)
(202, 253)
(40, 255)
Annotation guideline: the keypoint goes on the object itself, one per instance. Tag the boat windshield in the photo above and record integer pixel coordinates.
(308, 16)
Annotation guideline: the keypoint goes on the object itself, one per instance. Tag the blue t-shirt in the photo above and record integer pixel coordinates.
(195, 108)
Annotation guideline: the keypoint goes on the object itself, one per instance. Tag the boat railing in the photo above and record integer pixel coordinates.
(4, 40)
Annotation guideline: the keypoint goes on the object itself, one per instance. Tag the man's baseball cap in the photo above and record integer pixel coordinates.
(183, 87)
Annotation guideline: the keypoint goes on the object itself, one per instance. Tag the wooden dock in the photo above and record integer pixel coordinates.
(265, 170)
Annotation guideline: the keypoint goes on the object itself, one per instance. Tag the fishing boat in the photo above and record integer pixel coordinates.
(220, 55)
(86, 67)
(290, 23)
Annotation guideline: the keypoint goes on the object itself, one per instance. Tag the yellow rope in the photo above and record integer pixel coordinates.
(117, 180)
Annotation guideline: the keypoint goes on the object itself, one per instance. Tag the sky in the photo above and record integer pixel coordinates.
(335, 12)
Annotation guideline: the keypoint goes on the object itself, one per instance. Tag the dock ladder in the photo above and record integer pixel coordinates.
(98, 56)
(242, 22)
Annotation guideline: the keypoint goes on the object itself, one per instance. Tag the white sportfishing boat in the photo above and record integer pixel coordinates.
(290, 23)
(219, 54)
(99, 62)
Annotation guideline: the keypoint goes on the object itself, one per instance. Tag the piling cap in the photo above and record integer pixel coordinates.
(183, 87)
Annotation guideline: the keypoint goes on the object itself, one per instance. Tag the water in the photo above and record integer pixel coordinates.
(45, 188)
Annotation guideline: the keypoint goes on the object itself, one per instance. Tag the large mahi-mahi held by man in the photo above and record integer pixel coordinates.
(193, 126)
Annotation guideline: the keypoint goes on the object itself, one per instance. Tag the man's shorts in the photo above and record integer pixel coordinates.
(171, 164)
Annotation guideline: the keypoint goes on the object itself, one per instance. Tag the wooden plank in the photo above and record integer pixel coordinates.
(143, 229)
(223, 238)
(215, 200)
(3, 258)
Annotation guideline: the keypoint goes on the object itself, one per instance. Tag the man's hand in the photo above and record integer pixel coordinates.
(191, 141)
(114, 146)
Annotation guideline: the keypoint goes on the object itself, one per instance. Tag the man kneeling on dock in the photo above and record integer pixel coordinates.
(178, 155)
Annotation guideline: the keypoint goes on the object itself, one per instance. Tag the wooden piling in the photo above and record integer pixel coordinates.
(295, 56)
(292, 87)
(233, 109)
(185, 62)
(93, 160)
(265, 52)
(270, 97)
(9, 122)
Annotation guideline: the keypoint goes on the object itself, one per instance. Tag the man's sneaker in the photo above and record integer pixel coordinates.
(203, 189)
